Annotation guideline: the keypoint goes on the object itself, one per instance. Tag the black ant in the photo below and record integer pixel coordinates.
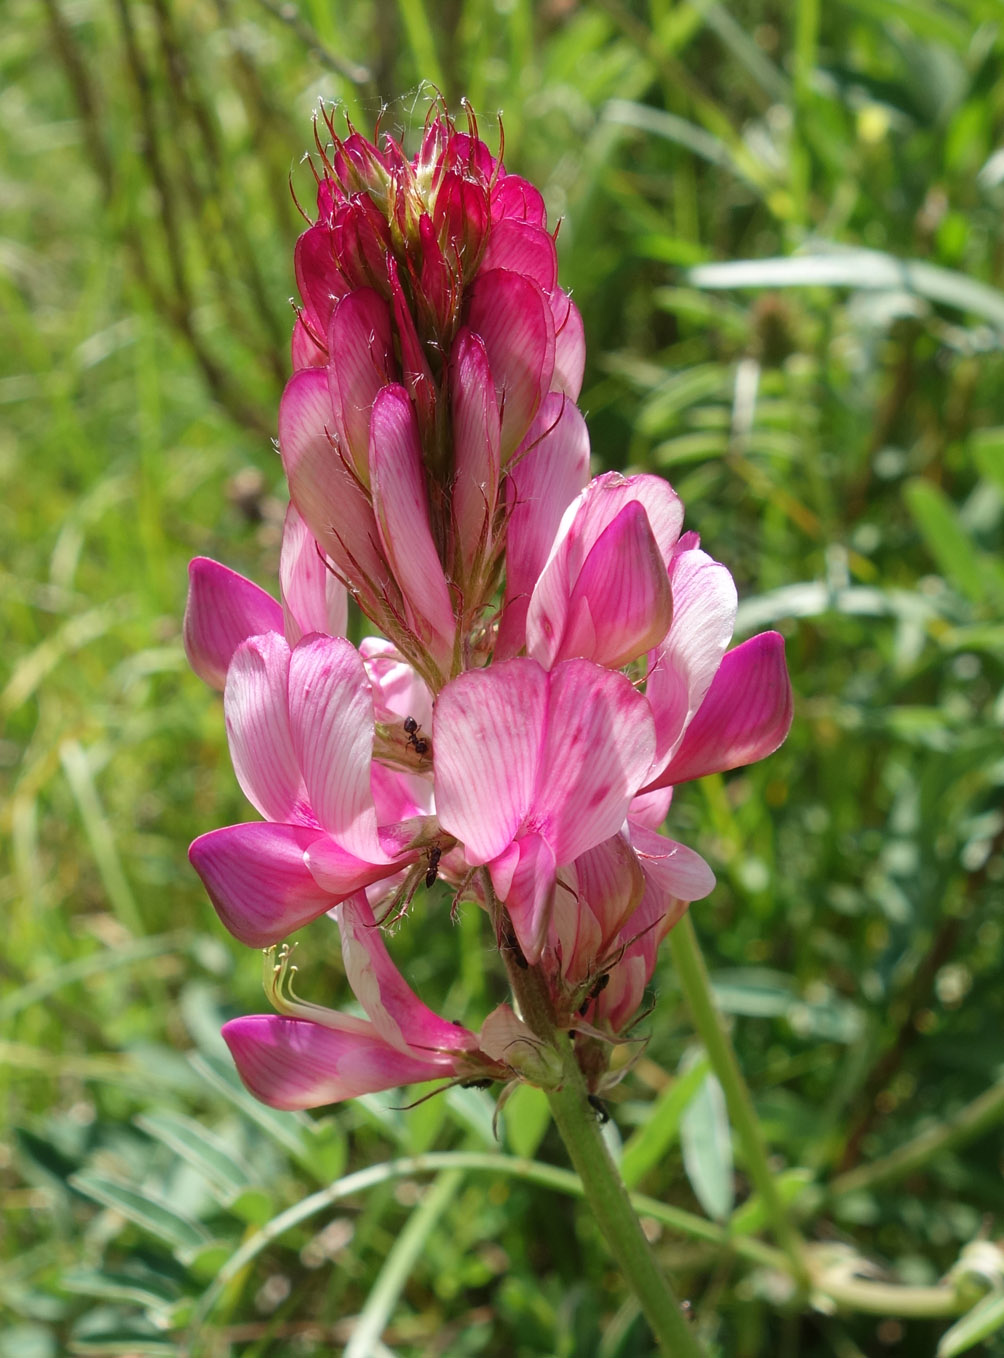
(599, 1108)
(435, 854)
(598, 987)
(476, 1084)
(418, 743)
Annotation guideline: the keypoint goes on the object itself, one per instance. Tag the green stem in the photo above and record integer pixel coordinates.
(602, 1186)
(696, 985)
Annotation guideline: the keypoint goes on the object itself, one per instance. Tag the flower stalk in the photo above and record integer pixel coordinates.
(577, 1122)
(696, 985)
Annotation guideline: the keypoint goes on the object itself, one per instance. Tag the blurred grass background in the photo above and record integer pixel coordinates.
(836, 429)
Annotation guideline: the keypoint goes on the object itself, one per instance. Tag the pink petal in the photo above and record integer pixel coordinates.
(682, 668)
(611, 885)
(317, 276)
(399, 796)
(524, 879)
(396, 1012)
(672, 869)
(256, 708)
(516, 198)
(651, 808)
(362, 363)
(525, 249)
(313, 598)
(487, 732)
(512, 316)
(257, 879)
(331, 719)
(402, 510)
(293, 1063)
(543, 479)
(476, 435)
(339, 873)
(223, 610)
(598, 745)
(618, 606)
(327, 495)
(744, 717)
(305, 351)
(569, 345)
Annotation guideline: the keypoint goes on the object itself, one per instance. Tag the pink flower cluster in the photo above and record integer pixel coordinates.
(553, 657)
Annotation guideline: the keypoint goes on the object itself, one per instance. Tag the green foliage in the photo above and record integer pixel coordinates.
(782, 224)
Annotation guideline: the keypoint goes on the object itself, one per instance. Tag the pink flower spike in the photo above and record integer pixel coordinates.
(331, 724)
(396, 1012)
(402, 511)
(294, 1063)
(256, 877)
(313, 598)
(256, 708)
(614, 609)
(223, 609)
(744, 717)
(512, 316)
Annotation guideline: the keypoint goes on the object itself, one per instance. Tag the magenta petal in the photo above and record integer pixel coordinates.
(598, 746)
(256, 708)
(402, 510)
(512, 316)
(256, 878)
(569, 345)
(313, 598)
(487, 732)
(611, 883)
(223, 610)
(362, 364)
(293, 1063)
(396, 1012)
(744, 717)
(331, 719)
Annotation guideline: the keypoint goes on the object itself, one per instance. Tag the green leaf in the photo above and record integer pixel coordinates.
(646, 1146)
(146, 1289)
(947, 541)
(706, 1142)
(985, 1319)
(860, 270)
(143, 1209)
(207, 1153)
